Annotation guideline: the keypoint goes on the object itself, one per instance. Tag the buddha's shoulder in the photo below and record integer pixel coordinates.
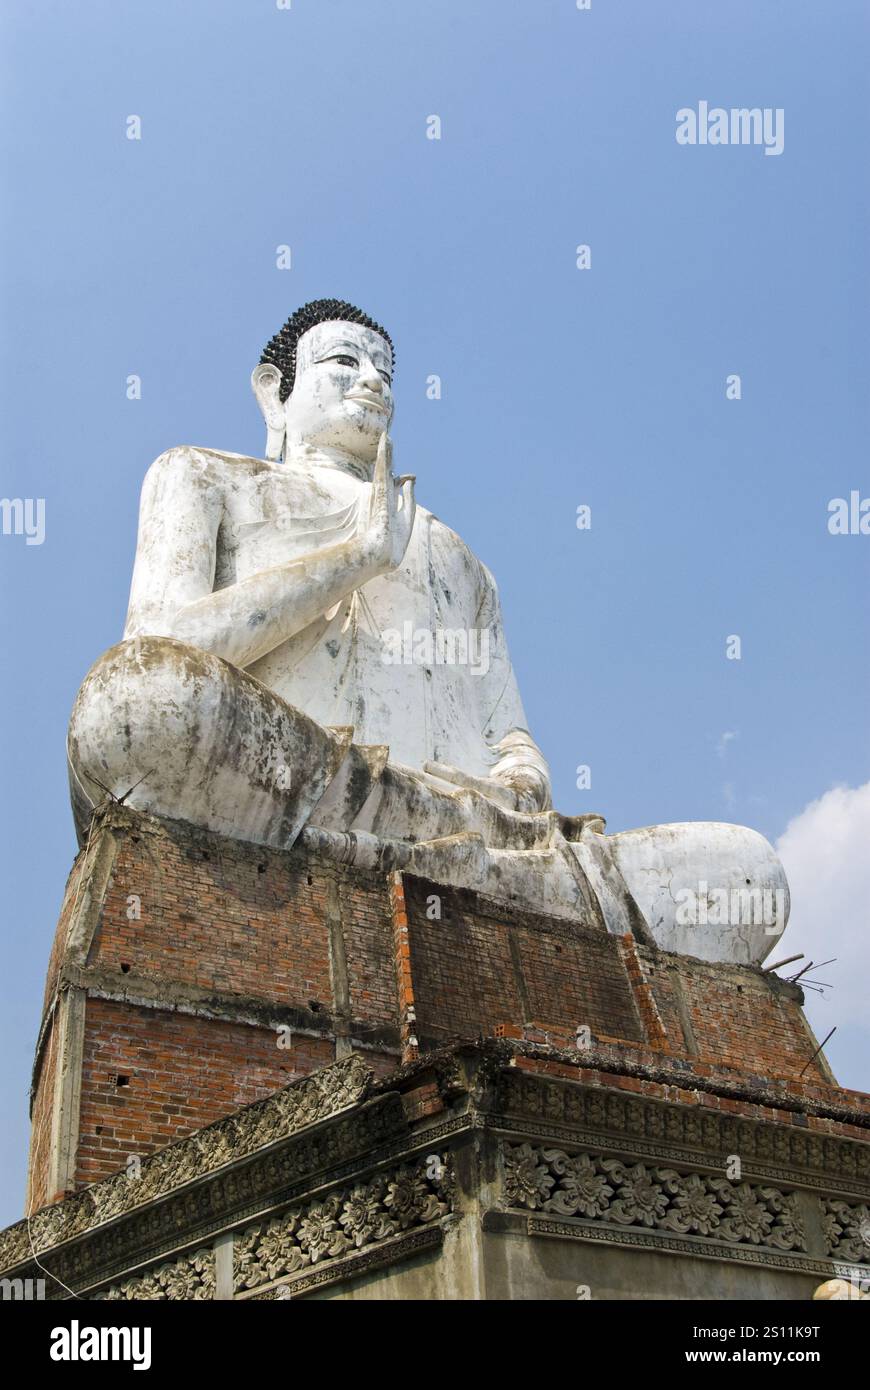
(438, 530)
(215, 465)
(443, 538)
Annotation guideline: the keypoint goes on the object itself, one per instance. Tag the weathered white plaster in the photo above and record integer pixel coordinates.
(717, 891)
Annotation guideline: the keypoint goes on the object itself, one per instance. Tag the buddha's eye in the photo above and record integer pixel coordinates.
(387, 378)
(343, 359)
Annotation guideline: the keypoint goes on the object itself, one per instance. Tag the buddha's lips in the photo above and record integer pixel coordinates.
(377, 401)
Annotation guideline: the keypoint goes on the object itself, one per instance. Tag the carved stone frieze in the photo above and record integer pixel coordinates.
(348, 1219)
(390, 1252)
(664, 1130)
(192, 1277)
(331, 1178)
(643, 1195)
(375, 1130)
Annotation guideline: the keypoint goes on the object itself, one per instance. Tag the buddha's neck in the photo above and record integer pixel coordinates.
(323, 457)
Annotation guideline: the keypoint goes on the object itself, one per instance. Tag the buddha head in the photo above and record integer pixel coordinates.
(325, 379)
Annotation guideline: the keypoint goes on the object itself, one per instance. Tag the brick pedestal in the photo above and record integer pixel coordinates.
(192, 975)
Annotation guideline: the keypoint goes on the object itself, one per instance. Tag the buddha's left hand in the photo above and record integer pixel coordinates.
(519, 789)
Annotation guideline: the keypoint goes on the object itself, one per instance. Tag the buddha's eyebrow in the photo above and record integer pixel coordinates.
(353, 347)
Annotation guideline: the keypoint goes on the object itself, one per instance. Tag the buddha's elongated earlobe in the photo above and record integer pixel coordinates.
(266, 382)
(274, 443)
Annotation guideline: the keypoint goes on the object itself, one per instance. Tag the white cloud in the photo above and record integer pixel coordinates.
(724, 740)
(826, 853)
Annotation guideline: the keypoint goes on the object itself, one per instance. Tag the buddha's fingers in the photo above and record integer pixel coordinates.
(405, 487)
(378, 538)
(484, 786)
(403, 517)
(381, 500)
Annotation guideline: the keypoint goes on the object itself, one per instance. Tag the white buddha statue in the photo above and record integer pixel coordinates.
(308, 652)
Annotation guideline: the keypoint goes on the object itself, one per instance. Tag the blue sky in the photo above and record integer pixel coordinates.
(606, 387)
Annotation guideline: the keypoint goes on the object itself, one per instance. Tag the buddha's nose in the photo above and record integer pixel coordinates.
(371, 378)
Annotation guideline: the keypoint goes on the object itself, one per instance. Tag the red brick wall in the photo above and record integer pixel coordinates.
(478, 966)
(180, 1073)
(368, 937)
(244, 921)
(737, 1016)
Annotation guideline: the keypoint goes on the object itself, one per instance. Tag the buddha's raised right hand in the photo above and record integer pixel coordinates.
(387, 529)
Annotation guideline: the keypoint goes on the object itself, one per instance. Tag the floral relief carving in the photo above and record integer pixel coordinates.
(847, 1230)
(529, 1181)
(647, 1196)
(347, 1220)
(583, 1190)
(190, 1278)
(641, 1199)
(694, 1210)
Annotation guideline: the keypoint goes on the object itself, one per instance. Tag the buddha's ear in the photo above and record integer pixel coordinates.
(266, 384)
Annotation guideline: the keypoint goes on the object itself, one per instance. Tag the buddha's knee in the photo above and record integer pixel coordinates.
(148, 702)
(707, 889)
(179, 732)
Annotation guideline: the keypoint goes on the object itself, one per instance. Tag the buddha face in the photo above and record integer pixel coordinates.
(342, 396)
